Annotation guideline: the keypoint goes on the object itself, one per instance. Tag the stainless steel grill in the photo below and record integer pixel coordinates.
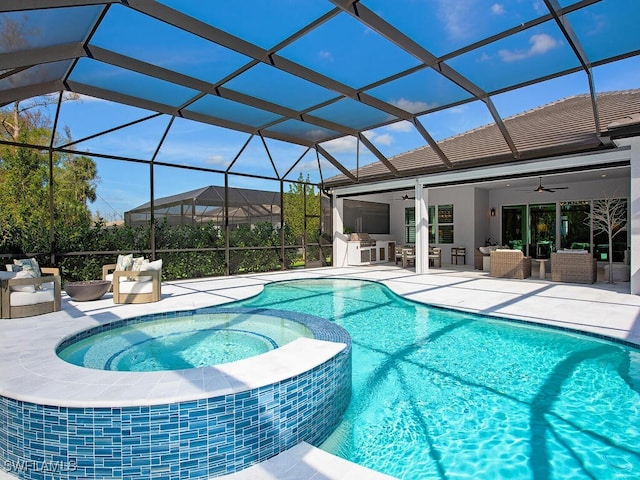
(363, 238)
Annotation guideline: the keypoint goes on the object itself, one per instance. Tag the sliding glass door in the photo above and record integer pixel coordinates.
(542, 225)
(514, 226)
(575, 229)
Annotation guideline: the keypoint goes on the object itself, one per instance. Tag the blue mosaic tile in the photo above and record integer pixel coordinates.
(193, 439)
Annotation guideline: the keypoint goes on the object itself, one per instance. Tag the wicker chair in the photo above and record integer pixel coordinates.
(575, 267)
(510, 264)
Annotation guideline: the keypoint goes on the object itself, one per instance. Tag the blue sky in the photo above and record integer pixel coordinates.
(123, 187)
(340, 48)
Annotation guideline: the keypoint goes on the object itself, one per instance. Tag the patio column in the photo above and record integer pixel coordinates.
(634, 217)
(422, 229)
(339, 238)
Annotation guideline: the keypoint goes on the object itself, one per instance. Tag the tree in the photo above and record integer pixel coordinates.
(609, 217)
(24, 181)
(294, 208)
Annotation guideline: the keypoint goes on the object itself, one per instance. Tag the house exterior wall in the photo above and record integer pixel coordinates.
(634, 227)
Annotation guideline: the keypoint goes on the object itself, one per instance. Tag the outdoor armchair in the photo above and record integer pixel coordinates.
(510, 264)
(138, 286)
(24, 296)
(577, 266)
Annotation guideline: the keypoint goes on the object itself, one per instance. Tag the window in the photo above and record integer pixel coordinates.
(432, 225)
(514, 226)
(410, 225)
(575, 231)
(604, 209)
(445, 223)
(542, 224)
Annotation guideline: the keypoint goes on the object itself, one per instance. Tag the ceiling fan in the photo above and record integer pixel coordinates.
(541, 189)
(407, 197)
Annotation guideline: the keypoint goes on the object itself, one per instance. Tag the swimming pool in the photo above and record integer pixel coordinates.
(180, 341)
(443, 394)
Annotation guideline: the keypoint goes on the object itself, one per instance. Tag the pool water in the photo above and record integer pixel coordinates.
(179, 342)
(441, 394)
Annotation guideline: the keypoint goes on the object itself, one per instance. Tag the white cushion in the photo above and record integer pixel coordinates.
(138, 262)
(23, 288)
(21, 299)
(109, 277)
(155, 265)
(136, 287)
(573, 251)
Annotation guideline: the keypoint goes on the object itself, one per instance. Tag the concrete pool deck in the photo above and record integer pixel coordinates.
(600, 308)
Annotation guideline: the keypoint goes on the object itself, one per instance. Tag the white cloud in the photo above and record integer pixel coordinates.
(497, 9)
(341, 145)
(410, 106)
(325, 55)
(310, 167)
(403, 126)
(216, 160)
(540, 44)
(384, 139)
(454, 17)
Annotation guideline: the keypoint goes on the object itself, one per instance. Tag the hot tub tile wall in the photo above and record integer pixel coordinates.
(194, 439)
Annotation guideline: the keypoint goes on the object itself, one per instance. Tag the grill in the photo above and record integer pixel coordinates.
(363, 239)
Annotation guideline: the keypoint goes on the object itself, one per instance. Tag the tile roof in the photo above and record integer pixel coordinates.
(562, 127)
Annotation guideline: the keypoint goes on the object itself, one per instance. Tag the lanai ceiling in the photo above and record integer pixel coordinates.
(309, 71)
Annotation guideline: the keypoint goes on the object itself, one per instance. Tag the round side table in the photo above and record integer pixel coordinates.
(543, 269)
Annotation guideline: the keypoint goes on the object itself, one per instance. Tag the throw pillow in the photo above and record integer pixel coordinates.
(32, 269)
(155, 265)
(24, 288)
(136, 266)
(29, 265)
(124, 262)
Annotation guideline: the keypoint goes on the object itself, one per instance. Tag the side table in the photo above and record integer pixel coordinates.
(543, 269)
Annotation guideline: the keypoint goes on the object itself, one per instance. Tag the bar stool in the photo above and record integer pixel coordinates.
(458, 252)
